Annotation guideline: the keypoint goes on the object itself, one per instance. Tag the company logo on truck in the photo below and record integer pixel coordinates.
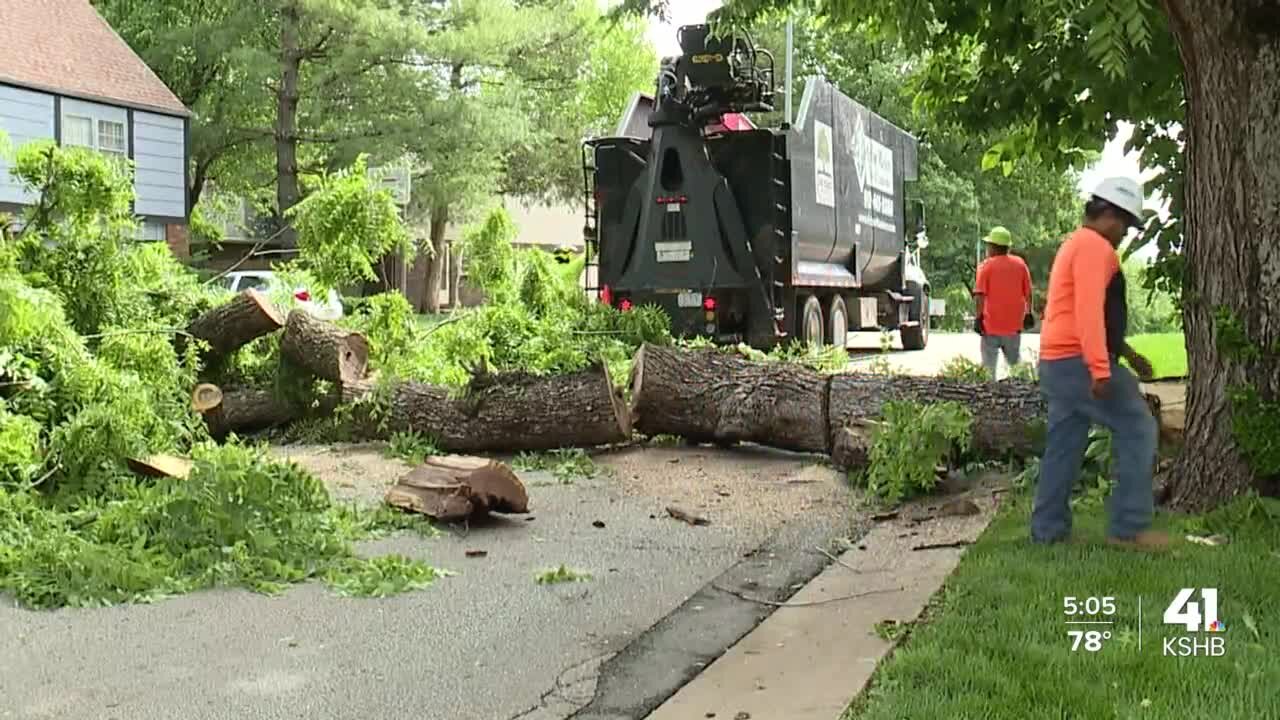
(873, 163)
(824, 171)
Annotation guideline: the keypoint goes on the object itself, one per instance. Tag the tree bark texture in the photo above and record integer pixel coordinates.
(1231, 60)
(247, 410)
(714, 396)
(1008, 417)
(288, 94)
(458, 487)
(227, 328)
(435, 260)
(503, 413)
(324, 349)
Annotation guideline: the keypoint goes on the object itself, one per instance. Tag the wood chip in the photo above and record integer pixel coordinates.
(882, 517)
(686, 517)
(477, 553)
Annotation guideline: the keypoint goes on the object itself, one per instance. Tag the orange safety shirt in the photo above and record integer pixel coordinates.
(1005, 283)
(1085, 287)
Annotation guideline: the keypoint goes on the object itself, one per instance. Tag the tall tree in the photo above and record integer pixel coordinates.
(296, 80)
(1064, 73)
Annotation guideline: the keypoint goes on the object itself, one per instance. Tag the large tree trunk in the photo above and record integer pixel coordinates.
(228, 327)
(1231, 60)
(1008, 417)
(286, 135)
(714, 396)
(499, 413)
(435, 260)
(324, 349)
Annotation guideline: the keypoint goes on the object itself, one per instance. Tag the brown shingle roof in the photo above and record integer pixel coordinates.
(64, 46)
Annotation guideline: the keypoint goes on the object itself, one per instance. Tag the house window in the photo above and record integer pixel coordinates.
(150, 231)
(77, 131)
(106, 136)
(111, 138)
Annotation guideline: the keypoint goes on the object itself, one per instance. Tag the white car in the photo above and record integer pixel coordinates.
(330, 308)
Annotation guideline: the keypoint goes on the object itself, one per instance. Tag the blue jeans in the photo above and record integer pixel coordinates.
(1134, 434)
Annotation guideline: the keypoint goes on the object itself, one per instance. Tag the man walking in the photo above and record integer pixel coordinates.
(1003, 295)
(1081, 342)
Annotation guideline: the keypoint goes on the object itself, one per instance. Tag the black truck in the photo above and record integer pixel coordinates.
(755, 235)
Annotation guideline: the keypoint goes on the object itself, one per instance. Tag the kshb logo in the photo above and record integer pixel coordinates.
(1187, 612)
(1195, 616)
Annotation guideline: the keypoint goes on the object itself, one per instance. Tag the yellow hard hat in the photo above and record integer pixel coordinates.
(999, 235)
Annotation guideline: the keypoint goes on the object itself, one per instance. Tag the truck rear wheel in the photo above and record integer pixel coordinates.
(838, 323)
(915, 337)
(811, 324)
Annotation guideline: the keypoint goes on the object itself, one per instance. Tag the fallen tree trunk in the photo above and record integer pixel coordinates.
(237, 323)
(1008, 417)
(709, 395)
(714, 396)
(324, 349)
(242, 410)
(458, 487)
(508, 412)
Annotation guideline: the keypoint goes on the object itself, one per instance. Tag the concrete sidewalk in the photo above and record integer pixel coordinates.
(811, 657)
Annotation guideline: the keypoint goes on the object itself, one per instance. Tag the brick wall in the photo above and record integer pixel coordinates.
(179, 241)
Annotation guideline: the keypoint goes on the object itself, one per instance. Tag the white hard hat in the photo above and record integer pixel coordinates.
(1125, 193)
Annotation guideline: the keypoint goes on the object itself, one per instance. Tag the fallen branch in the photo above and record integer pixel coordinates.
(942, 546)
(231, 326)
(324, 349)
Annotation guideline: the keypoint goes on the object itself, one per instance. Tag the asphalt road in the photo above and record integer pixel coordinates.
(487, 644)
(864, 348)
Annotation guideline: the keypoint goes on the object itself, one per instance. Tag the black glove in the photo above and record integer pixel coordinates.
(977, 326)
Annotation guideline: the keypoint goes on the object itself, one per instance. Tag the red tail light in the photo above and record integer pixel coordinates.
(303, 295)
(709, 304)
(625, 305)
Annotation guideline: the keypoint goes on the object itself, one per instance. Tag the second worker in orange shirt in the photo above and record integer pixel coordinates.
(1003, 295)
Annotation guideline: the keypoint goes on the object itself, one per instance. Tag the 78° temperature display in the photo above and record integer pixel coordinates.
(1089, 621)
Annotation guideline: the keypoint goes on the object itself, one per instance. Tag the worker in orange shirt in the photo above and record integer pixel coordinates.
(1003, 296)
(1081, 343)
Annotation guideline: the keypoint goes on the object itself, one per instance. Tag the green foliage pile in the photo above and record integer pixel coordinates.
(90, 376)
(910, 441)
(538, 320)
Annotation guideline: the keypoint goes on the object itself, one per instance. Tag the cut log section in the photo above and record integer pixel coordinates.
(158, 466)
(713, 396)
(324, 349)
(243, 410)
(231, 326)
(709, 395)
(458, 487)
(507, 412)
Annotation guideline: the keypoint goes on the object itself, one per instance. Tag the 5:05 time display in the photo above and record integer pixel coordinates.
(1072, 605)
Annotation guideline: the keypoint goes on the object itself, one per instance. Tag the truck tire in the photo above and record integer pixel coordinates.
(916, 337)
(838, 323)
(811, 324)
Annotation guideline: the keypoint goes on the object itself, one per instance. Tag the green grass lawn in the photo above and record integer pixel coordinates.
(1166, 351)
(995, 643)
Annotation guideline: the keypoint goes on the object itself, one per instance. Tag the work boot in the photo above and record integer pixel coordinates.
(1146, 540)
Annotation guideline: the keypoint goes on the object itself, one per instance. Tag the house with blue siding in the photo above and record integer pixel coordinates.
(66, 75)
